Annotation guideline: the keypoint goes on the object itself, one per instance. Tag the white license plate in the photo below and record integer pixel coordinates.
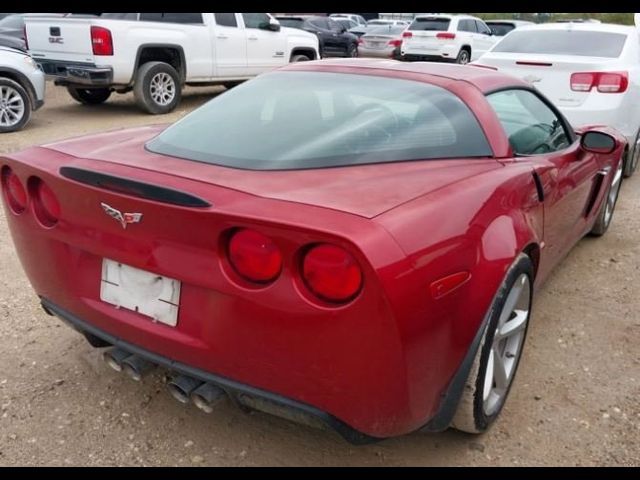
(146, 293)
(377, 44)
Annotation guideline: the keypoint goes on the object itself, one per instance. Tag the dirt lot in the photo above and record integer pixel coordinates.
(575, 401)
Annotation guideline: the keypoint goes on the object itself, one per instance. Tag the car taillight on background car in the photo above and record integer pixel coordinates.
(331, 273)
(254, 256)
(101, 41)
(446, 36)
(604, 82)
(14, 191)
(407, 34)
(395, 43)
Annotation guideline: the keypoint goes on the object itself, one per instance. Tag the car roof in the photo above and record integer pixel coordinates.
(589, 27)
(485, 79)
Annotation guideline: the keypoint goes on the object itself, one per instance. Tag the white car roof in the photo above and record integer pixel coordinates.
(588, 27)
(446, 15)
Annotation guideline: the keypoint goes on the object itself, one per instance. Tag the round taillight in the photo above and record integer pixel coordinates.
(15, 192)
(45, 203)
(332, 273)
(254, 256)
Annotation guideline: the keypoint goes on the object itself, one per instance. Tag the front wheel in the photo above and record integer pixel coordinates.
(89, 96)
(15, 106)
(352, 51)
(633, 158)
(299, 58)
(496, 362)
(605, 214)
(157, 88)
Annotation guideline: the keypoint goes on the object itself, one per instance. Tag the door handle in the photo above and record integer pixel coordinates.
(253, 38)
(222, 37)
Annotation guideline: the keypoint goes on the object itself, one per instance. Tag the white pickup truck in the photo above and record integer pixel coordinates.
(156, 54)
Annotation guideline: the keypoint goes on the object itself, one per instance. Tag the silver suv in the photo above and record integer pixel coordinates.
(22, 87)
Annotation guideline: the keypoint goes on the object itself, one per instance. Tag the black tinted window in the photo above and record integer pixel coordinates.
(501, 29)
(564, 42)
(120, 16)
(467, 26)
(320, 23)
(531, 126)
(172, 17)
(254, 20)
(291, 22)
(226, 19)
(434, 24)
(300, 120)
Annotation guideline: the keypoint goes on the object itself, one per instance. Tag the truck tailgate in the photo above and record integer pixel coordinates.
(63, 39)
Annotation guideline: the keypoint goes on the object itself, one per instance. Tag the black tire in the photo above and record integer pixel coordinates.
(463, 57)
(605, 215)
(352, 51)
(148, 97)
(10, 119)
(230, 85)
(471, 415)
(89, 96)
(299, 58)
(633, 158)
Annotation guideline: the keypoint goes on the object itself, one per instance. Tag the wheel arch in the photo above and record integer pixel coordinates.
(306, 51)
(161, 52)
(21, 79)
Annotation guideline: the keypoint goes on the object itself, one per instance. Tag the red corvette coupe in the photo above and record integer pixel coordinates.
(352, 244)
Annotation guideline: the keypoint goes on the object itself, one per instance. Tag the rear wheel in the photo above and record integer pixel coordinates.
(633, 158)
(299, 58)
(352, 50)
(463, 57)
(157, 88)
(15, 106)
(608, 204)
(89, 96)
(496, 362)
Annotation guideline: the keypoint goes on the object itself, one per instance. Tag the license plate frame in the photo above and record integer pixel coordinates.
(153, 296)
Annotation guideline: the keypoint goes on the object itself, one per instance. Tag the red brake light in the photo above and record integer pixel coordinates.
(45, 203)
(605, 82)
(446, 35)
(15, 192)
(254, 256)
(101, 41)
(395, 43)
(407, 34)
(332, 273)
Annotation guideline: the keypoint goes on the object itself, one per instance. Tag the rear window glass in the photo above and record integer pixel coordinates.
(431, 24)
(501, 29)
(564, 42)
(120, 16)
(388, 30)
(301, 120)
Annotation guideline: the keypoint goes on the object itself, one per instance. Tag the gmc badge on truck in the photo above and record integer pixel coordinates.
(56, 40)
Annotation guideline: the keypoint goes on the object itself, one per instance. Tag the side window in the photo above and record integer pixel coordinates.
(254, 20)
(186, 18)
(482, 27)
(531, 126)
(320, 23)
(333, 25)
(226, 19)
(467, 26)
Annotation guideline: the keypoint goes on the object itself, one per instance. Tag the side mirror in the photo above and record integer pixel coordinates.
(598, 142)
(272, 25)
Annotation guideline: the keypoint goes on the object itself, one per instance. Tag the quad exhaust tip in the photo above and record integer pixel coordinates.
(136, 367)
(182, 386)
(206, 396)
(114, 358)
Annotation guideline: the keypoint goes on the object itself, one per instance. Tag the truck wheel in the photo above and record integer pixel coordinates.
(89, 96)
(299, 58)
(15, 106)
(157, 88)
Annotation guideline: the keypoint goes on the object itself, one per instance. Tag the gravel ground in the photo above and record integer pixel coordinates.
(575, 401)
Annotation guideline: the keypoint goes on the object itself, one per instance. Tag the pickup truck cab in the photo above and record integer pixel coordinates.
(156, 54)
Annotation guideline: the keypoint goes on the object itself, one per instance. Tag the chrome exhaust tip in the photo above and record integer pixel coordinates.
(136, 367)
(206, 396)
(182, 386)
(114, 358)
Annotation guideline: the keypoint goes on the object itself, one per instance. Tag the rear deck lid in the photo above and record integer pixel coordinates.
(62, 39)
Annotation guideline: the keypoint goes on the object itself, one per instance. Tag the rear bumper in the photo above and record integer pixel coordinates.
(77, 73)
(272, 403)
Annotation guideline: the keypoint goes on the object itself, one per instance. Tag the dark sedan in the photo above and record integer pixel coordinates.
(335, 40)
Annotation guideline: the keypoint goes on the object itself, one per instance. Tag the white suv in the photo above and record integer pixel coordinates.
(22, 86)
(449, 38)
